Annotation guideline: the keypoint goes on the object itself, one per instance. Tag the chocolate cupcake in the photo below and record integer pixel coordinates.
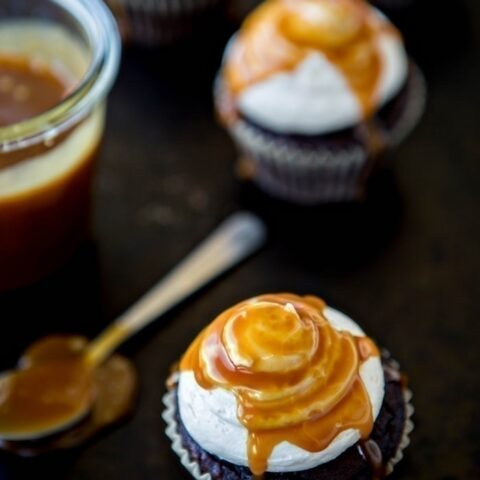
(288, 388)
(160, 22)
(314, 92)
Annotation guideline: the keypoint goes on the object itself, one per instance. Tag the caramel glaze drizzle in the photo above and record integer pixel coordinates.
(295, 377)
(280, 34)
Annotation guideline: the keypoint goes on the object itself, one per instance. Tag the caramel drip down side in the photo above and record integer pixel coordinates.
(295, 377)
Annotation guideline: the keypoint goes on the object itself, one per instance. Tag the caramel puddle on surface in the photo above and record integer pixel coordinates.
(113, 387)
(332, 401)
(280, 34)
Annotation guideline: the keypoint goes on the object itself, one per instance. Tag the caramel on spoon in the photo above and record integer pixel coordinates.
(53, 387)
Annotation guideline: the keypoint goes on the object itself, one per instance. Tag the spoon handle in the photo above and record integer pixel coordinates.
(234, 240)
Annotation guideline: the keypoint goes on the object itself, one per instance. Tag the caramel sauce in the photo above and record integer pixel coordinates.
(41, 224)
(295, 377)
(55, 383)
(51, 386)
(280, 34)
(27, 89)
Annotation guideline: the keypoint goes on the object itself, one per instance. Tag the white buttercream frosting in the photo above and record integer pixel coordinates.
(210, 416)
(315, 98)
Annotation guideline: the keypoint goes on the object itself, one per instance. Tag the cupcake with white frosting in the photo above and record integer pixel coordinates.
(313, 93)
(285, 387)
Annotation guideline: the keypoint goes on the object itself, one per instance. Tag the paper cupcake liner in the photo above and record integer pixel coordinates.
(158, 22)
(172, 432)
(169, 416)
(318, 174)
(304, 176)
(409, 411)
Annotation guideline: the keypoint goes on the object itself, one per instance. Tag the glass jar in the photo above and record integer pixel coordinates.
(47, 160)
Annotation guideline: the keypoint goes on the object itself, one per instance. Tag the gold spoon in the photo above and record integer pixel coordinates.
(52, 388)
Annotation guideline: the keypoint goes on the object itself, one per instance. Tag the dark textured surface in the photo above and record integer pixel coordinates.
(350, 465)
(405, 264)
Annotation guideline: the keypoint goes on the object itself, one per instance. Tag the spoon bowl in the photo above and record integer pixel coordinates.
(49, 391)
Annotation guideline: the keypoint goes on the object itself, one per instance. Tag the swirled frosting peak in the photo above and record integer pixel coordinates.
(295, 377)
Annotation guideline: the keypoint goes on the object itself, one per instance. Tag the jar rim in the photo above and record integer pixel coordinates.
(104, 39)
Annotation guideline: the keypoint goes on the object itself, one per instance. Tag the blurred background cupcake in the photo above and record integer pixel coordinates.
(314, 92)
(161, 22)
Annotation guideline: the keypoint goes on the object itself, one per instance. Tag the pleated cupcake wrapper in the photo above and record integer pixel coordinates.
(172, 432)
(317, 174)
(304, 176)
(407, 429)
(409, 426)
(169, 416)
(158, 22)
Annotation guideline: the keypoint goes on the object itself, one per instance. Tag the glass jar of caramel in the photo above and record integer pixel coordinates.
(58, 60)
